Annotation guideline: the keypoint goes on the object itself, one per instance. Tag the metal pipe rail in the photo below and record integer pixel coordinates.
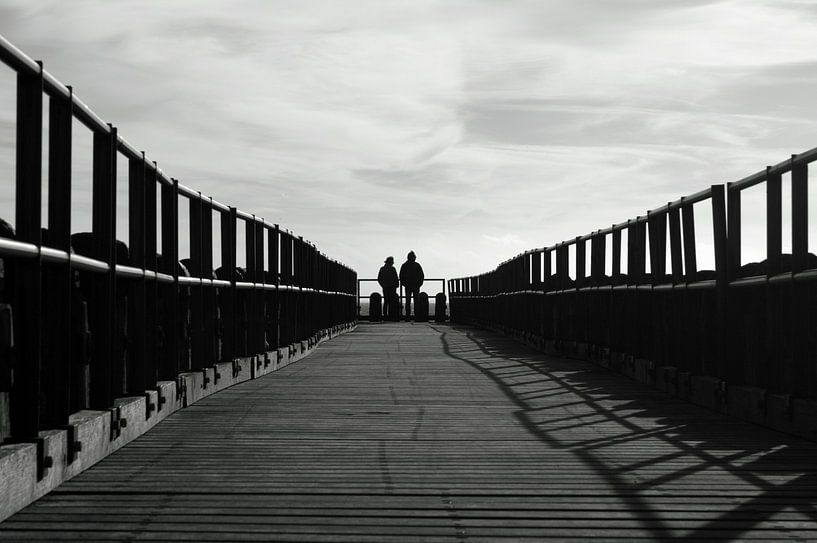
(85, 319)
(747, 323)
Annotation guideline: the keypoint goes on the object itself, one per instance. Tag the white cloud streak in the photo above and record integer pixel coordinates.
(457, 129)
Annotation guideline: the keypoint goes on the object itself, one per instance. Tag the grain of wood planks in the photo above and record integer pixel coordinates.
(430, 432)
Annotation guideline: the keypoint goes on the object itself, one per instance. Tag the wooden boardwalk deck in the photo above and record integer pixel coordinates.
(406, 432)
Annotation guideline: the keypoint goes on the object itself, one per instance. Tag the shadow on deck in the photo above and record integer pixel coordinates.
(404, 431)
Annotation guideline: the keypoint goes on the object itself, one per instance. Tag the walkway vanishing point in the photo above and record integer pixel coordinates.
(437, 432)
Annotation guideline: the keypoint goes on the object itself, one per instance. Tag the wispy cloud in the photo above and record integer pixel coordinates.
(506, 240)
(465, 130)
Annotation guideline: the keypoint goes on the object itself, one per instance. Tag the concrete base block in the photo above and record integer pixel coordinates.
(804, 418)
(132, 416)
(747, 403)
(18, 485)
(627, 366)
(258, 365)
(132, 419)
(707, 391)
(92, 429)
(195, 385)
(796, 416)
(780, 412)
(666, 379)
(644, 371)
(582, 351)
(283, 357)
(683, 386)
(5, 429)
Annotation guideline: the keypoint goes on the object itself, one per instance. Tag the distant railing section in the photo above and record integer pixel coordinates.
(85, 319)
(750, 324)
(434, 299)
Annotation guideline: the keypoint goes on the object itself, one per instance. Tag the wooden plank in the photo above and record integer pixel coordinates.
(405, 431)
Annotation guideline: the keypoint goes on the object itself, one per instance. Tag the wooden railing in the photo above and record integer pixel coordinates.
(85, 319)
(743, 323)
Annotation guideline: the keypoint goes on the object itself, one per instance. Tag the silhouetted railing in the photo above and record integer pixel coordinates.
(646, 298)
(85, 319)
(437, 308)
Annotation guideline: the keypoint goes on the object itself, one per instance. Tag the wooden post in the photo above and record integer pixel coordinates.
(104, 374)
(27, 301)
(138, 375)
(676, 246)
(169, 368)
(59, 376)
(774, 221)
(152, 354)
(228, 296)
(690, 252)
(724, 261)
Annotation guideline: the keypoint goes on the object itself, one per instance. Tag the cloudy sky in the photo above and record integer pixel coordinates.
(466, 130)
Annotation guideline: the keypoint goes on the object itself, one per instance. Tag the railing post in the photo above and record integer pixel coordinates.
(731, 258)
(581, 262)
(774, 221)
(138, 375)
(25, 392)
(690, 251)
(799, 216)
(657, 224)
(210, 350)
(726, 264)
(228, 296)
(547, 272)
(251, 315)
(198, 340)
(260, 294)
(615, 270)
(803, 373)
(152, 353)
(60, 376)
(273, 265)
(104, 375)
(169, 368)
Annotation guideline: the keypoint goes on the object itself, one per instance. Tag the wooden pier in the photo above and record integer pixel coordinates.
(436, 432)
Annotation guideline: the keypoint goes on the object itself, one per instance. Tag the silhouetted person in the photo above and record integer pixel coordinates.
(411, 277)
(387, 277)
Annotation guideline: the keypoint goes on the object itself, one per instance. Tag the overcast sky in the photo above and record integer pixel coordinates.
(467, 131)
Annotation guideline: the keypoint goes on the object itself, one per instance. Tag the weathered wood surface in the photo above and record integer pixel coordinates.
(405, 432)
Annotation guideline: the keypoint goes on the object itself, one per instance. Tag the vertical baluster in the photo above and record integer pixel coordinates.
(690, 253)
(105, 375)
(210, 352)
(802, 375)
(152, 353)
(169, 292)
(727, 262)
(26, 294)
(59, 375)
(228, 296)
(194, 266)
(137, 378)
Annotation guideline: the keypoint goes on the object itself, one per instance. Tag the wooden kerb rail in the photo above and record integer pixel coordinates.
(737, 338)
(100, 340)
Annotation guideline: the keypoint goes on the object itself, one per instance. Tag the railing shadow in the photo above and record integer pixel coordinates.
(761, 473)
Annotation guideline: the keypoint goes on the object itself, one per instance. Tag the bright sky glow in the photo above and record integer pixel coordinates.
(466, 130)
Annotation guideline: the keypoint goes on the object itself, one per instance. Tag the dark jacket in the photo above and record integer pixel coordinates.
(411, 274)
(387, 277)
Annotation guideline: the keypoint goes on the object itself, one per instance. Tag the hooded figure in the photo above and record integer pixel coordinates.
(387, 277)
(411, 277)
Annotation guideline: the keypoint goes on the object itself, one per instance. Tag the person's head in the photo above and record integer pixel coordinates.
(389, 260)
(411, 256)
